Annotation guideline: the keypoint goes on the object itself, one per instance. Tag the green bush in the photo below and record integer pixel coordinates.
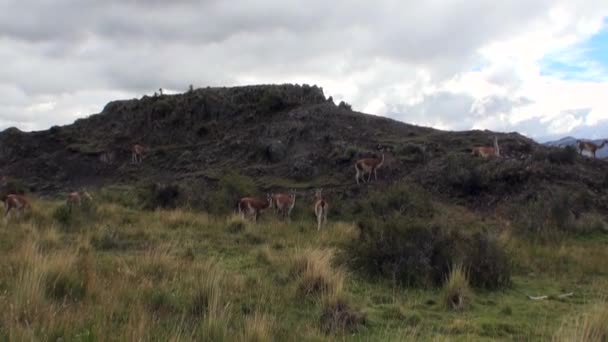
(345, 105)
(411, 152)
(74, 218)
(232, 186)
(67, 285)
(270, 102)
(412, 252)
(566, 155)
(13, 186)
(547, 215)
(398, 241)
(401, 200)
(161, 196)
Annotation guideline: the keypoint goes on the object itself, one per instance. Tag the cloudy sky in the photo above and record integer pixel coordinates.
(539, 67)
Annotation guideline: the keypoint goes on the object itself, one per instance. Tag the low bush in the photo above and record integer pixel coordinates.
(231, 187)
(566, 155)
(69, 284)
(345, 105)
(401, 200)
(339, 317)
(161, 196)
(457, 294)
(413, 252)
(315, 273)
(555, 212)
(412, 152)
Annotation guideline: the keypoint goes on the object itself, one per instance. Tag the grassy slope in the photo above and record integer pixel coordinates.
(180, 275)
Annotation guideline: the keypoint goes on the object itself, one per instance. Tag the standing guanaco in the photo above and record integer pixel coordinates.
(17, 202)
(137, 153)
(589, 146)
(368, 166)
(284, 203)
(487, 151)
(76, 198)
(253, 206)
(321, 207)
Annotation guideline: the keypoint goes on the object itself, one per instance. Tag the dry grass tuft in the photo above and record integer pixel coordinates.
(258, 328)
(315, 273)
(338, 317)
(457, 294)
(591, 326)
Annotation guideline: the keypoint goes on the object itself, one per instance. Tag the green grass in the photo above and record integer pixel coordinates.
(182, 275)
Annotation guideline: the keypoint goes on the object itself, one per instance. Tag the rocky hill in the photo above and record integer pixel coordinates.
(571, 141)
(287, 136)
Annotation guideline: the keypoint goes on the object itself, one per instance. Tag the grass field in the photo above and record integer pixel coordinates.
(127, 275)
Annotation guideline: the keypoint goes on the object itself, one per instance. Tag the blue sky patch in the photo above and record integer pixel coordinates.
(587, 61)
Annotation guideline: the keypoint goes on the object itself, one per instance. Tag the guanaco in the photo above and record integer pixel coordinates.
(137, 153)
(76, 198)
(321, 207)
(589, 146)
(253, 206)
(487, 151)
(368, 166)
(284, 203)
(17, 202)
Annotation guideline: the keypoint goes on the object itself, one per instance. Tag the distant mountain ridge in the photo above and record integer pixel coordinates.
(571, 141)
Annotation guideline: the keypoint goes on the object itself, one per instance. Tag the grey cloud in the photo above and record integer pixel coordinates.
(79, 52)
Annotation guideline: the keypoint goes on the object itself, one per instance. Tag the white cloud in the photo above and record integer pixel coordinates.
(449, 64)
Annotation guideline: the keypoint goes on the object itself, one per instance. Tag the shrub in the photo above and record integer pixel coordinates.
(271, 102)
(566, 155)
(236, 224)
(66, 285)
(315, 274)
(161, 196)
(590, 326)
(412, 152)
(63, 215)
(487, 261)
(457, 294)
(338, 316)
(159, 302)
(257, 328)
(344, 105)
(401, 200)
(72, 219)
(13, 186)
(411, 252)
(553, 213)
(232, 186)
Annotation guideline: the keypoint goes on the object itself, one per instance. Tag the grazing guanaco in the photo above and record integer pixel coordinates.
(137, 153)
(254, 205)
(284, 203)
(321, 207)
(368, 166)
(76, 198)
(589, 146)
(17, 202)
(487, 151)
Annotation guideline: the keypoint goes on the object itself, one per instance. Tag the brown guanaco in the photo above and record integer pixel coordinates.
(137, 153)
(284, 203)
(368, 166)
(253, 206)
(17, 202)
(320, 207)
(487, 151)
(589, 146)
(76, 198)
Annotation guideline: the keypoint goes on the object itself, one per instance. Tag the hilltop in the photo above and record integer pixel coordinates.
(286, 136)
